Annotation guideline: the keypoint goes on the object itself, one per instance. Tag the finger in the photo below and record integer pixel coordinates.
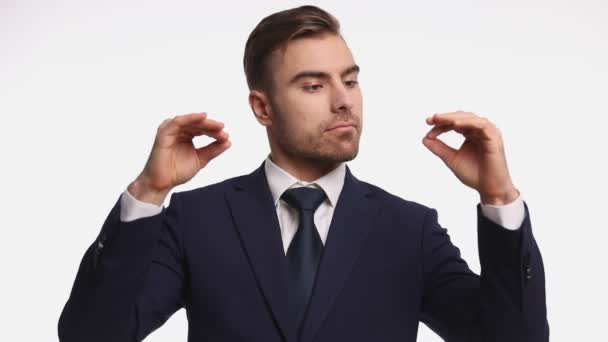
(472, 125)
(189, 134)
(438, 130)
(205, 122)
(429, 120)
(186, 119)
(189, 125)
(173, 125)
(440, 149)
(468, 133)
(204, 125)
(444, 118)
(212, 150)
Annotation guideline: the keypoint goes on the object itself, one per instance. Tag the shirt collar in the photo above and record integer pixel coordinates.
(280, 180)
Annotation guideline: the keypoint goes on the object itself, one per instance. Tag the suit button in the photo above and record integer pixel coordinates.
(528, 272)
(98, 249)
(100, 243)
(102, 239)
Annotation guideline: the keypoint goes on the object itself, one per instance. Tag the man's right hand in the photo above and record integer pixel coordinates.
(174, 160)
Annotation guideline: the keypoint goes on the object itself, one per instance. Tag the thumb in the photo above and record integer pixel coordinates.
(439, 148)
(212, 150)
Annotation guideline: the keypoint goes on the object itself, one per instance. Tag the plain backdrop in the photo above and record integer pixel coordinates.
(85, 84)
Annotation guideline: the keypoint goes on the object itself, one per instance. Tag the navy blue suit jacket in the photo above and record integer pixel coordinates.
(387, 264)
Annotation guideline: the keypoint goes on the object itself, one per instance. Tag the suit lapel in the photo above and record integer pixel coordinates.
(351, 223)
(255, 217)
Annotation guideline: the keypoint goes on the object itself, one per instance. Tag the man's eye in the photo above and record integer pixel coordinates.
(313, 87)
(351, 83)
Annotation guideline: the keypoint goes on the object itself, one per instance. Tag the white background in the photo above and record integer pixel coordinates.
(84, 85)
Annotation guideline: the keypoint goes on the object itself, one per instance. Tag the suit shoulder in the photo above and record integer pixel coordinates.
(400, 211)
(211, 191)
(395, 202)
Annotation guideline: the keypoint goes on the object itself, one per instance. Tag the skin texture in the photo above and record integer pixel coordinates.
(298, 117)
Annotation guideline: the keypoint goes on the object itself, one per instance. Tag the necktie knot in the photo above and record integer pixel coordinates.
(304, 198)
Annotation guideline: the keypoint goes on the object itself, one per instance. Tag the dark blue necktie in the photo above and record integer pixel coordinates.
(304, 252)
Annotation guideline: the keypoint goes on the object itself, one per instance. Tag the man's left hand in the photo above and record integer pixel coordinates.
(480, 162)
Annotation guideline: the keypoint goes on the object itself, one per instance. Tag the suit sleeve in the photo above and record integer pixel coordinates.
(506, 302)
(130, 279)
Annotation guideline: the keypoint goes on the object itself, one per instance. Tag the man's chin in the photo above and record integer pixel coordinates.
(339, 157)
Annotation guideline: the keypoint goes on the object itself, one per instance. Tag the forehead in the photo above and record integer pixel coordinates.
(327, 52)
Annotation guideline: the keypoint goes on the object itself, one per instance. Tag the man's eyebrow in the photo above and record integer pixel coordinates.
(322, 74)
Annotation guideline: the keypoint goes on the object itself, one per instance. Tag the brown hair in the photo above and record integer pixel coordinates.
(275, 31)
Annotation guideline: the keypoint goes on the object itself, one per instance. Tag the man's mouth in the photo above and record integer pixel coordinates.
(342, 126)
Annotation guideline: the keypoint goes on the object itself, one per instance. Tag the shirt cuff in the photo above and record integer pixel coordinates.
(509, 216)
(132, 209)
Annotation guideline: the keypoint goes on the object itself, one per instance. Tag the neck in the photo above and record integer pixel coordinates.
(305, 170)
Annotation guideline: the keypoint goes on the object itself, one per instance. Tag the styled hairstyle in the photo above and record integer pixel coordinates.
(274, 32)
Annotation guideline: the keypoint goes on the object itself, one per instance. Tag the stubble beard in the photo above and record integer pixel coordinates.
(316, 147)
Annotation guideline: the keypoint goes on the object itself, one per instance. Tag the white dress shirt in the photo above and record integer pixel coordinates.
(509, 216)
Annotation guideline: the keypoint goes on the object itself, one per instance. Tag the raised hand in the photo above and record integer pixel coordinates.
(174, 159)
(480, 162)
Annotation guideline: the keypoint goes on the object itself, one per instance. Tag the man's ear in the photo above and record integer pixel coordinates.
(260, 105)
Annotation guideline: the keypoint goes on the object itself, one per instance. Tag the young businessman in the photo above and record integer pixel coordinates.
(300, 249)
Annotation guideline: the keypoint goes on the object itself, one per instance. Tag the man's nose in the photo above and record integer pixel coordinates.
(342, 98)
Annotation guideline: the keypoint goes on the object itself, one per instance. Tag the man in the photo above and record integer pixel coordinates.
(300, 249)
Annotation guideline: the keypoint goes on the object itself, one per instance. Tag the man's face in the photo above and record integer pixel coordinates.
(316, 88)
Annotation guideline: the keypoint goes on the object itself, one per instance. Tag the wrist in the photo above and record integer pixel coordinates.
(501, 198)
(140, 189)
